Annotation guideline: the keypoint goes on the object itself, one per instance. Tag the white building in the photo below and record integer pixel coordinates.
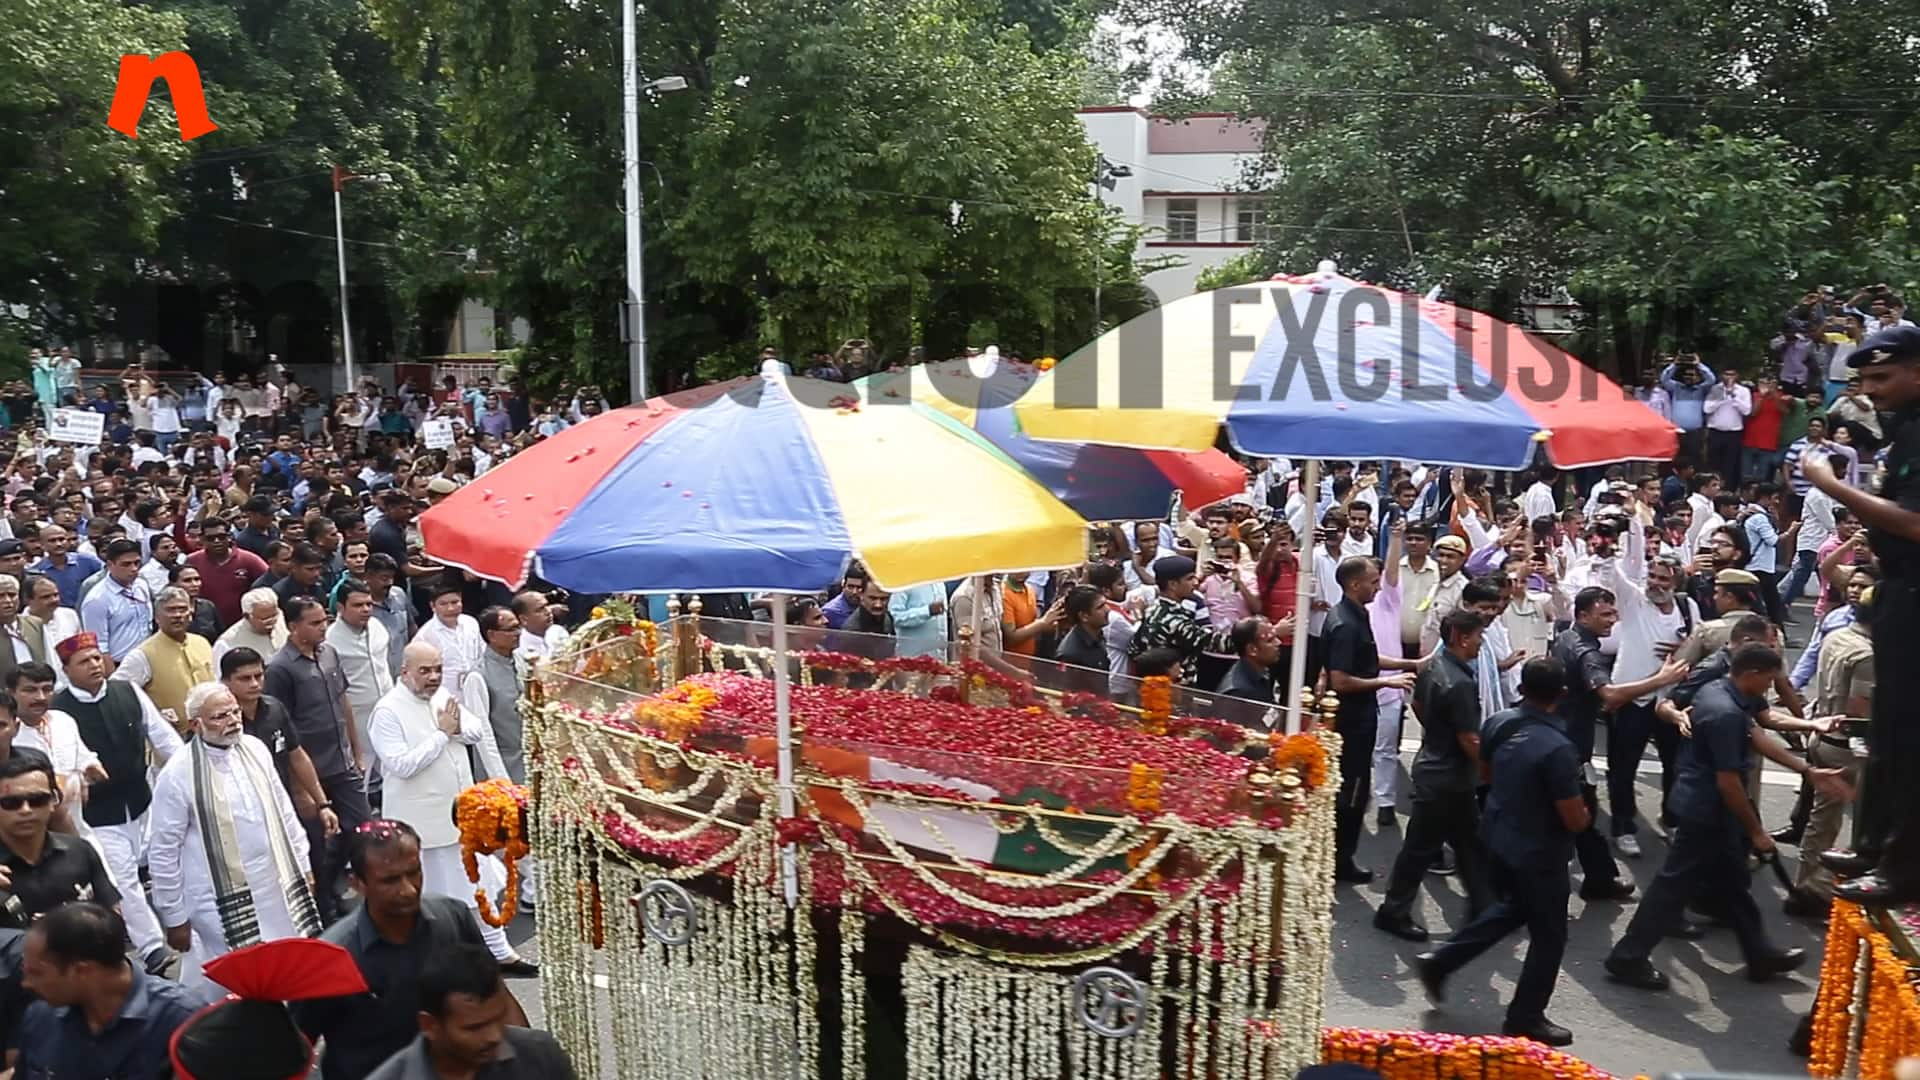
(1186, 186)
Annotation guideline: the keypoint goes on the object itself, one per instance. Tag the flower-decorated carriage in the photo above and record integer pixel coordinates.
(990, 867)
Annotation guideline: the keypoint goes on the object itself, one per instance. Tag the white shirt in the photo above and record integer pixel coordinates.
(1349, 546)
(1537, 502)
(459, 646)
(177, 848)
(1816, 521)
(155, 575)
(58, 737)
(544, 646)
(160, 734)
(1325, 589)
(166, 414)
(1645, 636)
(412, 754)
(1728, 407)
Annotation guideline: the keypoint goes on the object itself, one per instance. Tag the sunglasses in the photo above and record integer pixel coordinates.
(39, 800)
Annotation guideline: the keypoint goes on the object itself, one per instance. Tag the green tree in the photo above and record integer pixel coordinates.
(1714, 224)
(79, 202)
(1399, 132)
(803, 190)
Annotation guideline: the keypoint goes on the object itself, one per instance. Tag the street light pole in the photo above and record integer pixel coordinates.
(635, 203)
(341, 178)
(636, 280)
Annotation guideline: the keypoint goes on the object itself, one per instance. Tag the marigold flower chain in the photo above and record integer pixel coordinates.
(488, 815)
(1156, 704)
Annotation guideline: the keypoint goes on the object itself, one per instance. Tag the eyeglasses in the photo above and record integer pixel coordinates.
(39, 800)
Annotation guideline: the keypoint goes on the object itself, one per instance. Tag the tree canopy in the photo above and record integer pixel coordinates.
(1710, 154)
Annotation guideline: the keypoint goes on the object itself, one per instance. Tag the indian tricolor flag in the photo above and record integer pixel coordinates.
(939, 830)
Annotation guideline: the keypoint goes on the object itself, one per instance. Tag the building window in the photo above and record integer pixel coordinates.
(1250, 221)
(1183, 220)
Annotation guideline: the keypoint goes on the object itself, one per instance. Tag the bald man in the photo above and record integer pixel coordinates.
(422, 739)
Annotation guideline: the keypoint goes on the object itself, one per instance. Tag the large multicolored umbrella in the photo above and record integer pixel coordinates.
(1323, 366)
(762, 483)
(1101, 483)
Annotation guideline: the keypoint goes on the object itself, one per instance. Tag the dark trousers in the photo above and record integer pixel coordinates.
(1533, 896)
(329, 856)
(1356, 784)
(1438, 818)
(1887, 819)
(1596, 859)
(1776, 611)
(1635, 725)
(1724, 455)
(1708, 860)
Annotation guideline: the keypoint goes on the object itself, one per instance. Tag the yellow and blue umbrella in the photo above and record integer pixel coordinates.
(1101, 483)
(762, 483)
(1323, 366)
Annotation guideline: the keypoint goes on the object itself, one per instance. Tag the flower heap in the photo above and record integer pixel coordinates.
(489, 816)
(1302, 754)
(1068, 755)
(1423, 1055)
(1156, 704)
(677, 713)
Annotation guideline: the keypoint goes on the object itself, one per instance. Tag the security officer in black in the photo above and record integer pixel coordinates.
(1353, 664)
(1590, 692)
(1535, 808)
(1716, 826)
(1885, 861)
(1445, 773)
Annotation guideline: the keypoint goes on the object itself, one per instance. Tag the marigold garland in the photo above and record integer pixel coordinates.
(488, 815)
(1156, 704)
(1301, 753)
(1422, 1055)
(1890, 1026)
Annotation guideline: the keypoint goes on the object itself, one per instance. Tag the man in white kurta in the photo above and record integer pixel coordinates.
(184, 893)
(421, 738)
(455, 634)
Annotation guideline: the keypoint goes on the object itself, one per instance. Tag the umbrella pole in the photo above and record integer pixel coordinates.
(1304, 548)
(783, 726)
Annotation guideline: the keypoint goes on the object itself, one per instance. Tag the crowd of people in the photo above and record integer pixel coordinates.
(237, 708)
(241, 698)
(1529, 626)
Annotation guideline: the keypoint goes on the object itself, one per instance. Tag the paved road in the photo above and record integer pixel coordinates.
(1712, 1018)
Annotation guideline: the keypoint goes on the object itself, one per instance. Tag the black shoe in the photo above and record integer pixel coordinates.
(1638, 974)
(519, 968)
(1403, 927)
(1616, 889)
(1789, 836)
(1442, 866)
(1874, 890)
(1352, 873)
(1431, 977)
(1687, 930)
(1542, 1030)
(157, 961)
(1386, 818)
(1800, 1043)
(1802, 904)
(1847, 863)
(1766, 967)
